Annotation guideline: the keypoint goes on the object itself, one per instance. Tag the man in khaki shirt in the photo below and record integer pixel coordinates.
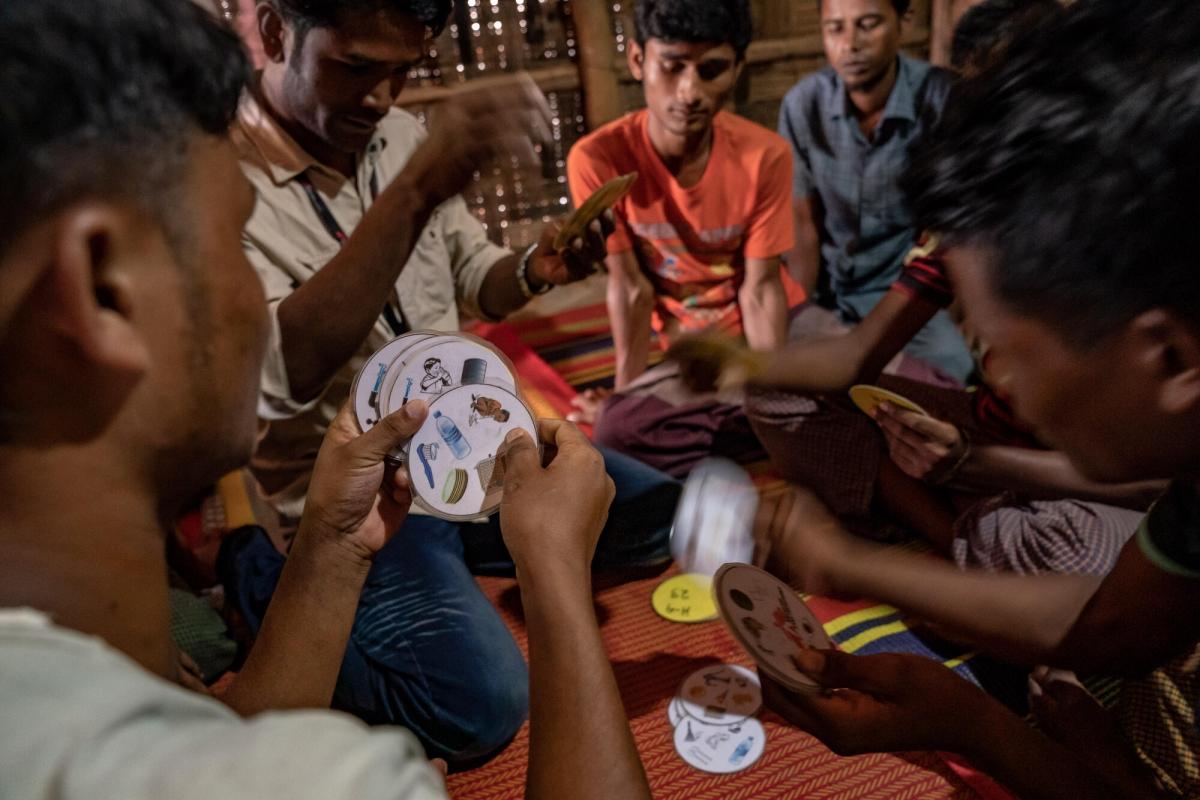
(288, 245)
(360, 234)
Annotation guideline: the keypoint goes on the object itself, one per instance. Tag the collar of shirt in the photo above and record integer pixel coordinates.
(901, 103)
(282, 155)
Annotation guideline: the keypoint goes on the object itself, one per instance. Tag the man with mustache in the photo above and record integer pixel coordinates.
(851, 126)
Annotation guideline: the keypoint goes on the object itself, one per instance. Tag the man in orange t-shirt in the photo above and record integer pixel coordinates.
(698, 239)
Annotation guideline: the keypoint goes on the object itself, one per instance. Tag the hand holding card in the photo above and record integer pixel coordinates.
(883, 702)
(868, 397)
(600, 201)
(473, 403)
(353, 497)
(552, 516)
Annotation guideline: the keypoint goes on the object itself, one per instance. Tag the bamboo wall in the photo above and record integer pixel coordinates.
(576, 51)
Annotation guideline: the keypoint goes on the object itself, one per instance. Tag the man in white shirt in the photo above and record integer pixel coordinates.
(132, 331)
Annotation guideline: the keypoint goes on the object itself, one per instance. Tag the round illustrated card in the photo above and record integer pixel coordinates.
(685, 598)
(867, 397)
(452, 463)
(714, 521)
(770, 620)
(442, 363)
(719, 748)
(369, 382)
(721, 694)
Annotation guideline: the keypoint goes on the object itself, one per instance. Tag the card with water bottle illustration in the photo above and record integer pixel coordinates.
(470, 388)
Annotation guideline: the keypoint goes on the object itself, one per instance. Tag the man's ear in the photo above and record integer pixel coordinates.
(906, 21)
(1171, 351)
(637, 60)
(91, 292)
(270, 28)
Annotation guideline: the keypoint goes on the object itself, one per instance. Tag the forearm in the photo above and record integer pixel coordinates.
(804, 261)
(1030, 764)
(630, 307)
(838, 361)
(500, 294)
(1021, 618)
(348, 294)
(764, 314)
(296, 657)
(1048, 474)
(573, 696)
(811, 366)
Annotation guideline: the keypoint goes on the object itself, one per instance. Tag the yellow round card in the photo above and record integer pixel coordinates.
(685, 598)
(866, 397)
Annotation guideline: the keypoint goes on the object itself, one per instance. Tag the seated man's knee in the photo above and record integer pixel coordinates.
(616, 428)
(485, 713)
(463, 709)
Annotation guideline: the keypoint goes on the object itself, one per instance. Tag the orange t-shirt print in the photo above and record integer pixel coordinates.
(692, 243)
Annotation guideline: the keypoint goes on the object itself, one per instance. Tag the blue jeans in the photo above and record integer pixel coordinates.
(428, 651)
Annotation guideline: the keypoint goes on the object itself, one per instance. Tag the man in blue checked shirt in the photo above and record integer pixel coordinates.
(850, 126)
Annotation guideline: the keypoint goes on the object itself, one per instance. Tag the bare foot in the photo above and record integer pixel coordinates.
(588, 406)
(1072, 717)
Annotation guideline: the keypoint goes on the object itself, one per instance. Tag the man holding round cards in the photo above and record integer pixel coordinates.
(454, 459)
(360, 236)
(1078, 270)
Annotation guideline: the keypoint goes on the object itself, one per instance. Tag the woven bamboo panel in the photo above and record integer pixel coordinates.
(486, 38)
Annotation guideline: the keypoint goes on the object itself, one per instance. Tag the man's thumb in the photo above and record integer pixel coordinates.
(390, 432)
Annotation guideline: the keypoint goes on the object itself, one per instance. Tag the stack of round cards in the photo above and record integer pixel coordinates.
(770, 621)
(470, 388)
(713, 715)
(714, 521)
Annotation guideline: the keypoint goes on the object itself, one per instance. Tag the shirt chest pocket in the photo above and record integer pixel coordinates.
(882, 196)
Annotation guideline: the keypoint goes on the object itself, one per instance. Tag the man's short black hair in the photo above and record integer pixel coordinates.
(100, 99)
(304, 15)
(1076, 161)
(720, 21)
(901, 6)
(988, 27)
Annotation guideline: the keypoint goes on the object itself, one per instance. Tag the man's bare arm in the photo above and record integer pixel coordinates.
(551, 519)
(763, 303)
(327, 318)
(1126, 622)
(353, 508)
(324, 321)
(804, 259)
(1048, 474)
(896, 702)
(835, 363)
(630, 299)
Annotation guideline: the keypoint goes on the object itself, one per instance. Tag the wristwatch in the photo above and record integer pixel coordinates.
(523, 275)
